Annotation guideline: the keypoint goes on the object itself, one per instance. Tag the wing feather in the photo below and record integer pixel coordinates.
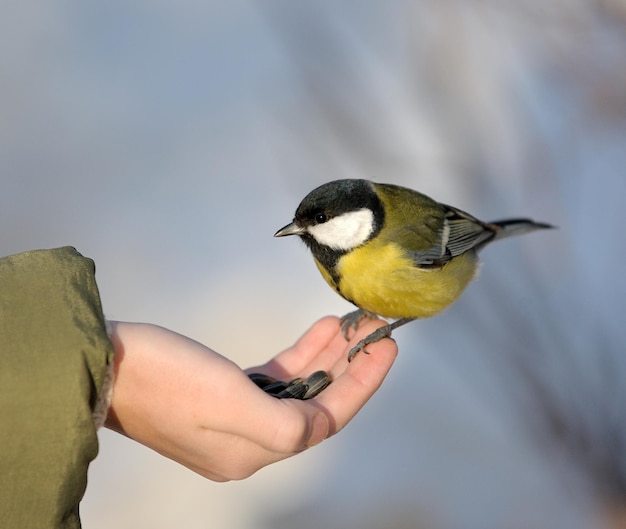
(460, 233)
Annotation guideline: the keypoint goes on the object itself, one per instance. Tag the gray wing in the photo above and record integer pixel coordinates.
(460, 233)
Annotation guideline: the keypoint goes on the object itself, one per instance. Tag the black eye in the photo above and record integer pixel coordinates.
(320, 218)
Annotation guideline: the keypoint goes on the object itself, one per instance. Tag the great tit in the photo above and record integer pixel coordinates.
(391, 251)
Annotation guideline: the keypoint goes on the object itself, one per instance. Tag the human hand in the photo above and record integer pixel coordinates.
(198, 408)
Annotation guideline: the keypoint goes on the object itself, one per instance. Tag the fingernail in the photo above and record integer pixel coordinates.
(319, 429)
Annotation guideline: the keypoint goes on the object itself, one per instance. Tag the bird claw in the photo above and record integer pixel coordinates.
(378, 334)
(297, 388)
(352, 320)
(360, 347)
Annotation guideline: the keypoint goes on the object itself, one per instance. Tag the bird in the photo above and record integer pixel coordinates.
(391, 251)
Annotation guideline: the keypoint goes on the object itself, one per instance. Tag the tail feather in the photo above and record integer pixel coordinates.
(510, 227)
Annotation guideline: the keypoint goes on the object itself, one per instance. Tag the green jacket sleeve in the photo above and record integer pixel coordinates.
(54, 353)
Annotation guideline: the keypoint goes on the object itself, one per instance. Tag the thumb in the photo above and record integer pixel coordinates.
(318, 430)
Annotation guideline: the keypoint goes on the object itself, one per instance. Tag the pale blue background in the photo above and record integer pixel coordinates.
(169, 140)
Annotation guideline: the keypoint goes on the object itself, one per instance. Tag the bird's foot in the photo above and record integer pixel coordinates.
(352, 320)
(380, 333)
(298, 388)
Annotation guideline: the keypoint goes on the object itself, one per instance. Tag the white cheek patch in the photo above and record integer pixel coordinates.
(346, 231)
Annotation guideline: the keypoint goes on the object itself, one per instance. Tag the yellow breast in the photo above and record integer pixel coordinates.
(382, 279)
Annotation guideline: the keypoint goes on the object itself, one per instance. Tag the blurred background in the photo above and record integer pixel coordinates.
(168, 141)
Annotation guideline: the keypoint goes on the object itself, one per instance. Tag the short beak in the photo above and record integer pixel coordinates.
(290, 229)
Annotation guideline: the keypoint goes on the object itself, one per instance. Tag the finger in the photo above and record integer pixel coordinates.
(336, 357)
(288, 426)
(311, 354)
(297, 359)
(359, 381)
(306, 423)
(282, 427)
